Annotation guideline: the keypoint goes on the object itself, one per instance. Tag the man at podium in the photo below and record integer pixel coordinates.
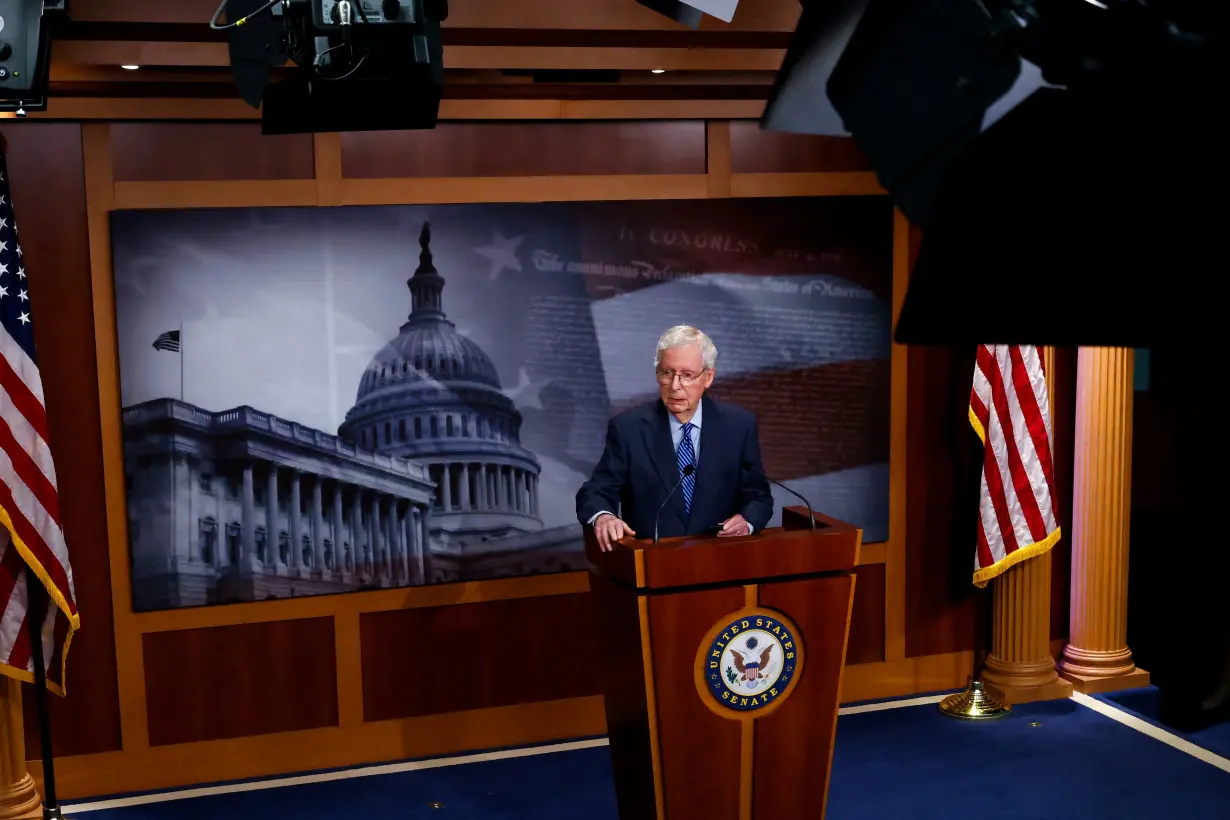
(655, 469)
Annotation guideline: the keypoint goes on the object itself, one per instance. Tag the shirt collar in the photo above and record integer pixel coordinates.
(695, 421)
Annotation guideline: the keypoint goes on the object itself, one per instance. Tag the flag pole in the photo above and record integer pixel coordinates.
(181, 361)
(975, 702)
(36, 615)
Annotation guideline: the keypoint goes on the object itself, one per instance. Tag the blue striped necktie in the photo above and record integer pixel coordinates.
(686, 456)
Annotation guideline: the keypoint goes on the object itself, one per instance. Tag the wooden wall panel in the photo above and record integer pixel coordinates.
(942, 472)
(48, 185)
(239, 681)
(866, 643)
(474, 656)
(1064, 432)
(753, 151)
(527, 149)
(154, 151)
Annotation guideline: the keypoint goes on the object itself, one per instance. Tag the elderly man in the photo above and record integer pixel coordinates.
(649, 447)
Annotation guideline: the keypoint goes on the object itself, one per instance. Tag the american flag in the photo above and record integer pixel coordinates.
(1010, 410)
(31, 542)
(168, 341)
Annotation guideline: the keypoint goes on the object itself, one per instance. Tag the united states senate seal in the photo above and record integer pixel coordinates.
(750, 661)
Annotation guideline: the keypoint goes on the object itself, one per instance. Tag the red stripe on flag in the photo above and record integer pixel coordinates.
(12, 386)
(985, 558)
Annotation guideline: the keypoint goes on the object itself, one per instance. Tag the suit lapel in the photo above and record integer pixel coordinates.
(657, 433)
(711, 440)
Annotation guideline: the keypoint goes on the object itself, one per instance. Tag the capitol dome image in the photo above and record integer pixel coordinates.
(433, 396)
(425, 481)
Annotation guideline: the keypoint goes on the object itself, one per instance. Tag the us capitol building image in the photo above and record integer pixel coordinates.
(426, 482)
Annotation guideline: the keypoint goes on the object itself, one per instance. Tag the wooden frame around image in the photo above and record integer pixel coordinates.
(137, 766)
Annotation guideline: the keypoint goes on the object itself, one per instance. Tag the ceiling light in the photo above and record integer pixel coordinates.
(130, 67)
(657, 70)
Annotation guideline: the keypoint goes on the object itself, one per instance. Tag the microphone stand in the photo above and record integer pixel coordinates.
(811, 515)
(684, 473)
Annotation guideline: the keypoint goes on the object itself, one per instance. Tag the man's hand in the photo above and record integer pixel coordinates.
(610, 529)
(735, 525)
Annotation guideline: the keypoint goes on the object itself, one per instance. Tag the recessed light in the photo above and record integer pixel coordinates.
(130, 67)
(657, 71)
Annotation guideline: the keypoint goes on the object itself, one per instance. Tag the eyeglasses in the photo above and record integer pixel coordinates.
(685, 378)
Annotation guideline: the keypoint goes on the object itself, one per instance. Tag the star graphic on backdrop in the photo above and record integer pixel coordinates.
(525, 394)
(502, 252)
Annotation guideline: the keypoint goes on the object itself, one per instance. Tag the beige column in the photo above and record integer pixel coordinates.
(1097, 658)
(19, 799)
(1019, 667)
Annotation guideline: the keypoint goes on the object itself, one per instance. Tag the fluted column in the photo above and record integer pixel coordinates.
(1097, 657)
(318, 524)
(271, 517)
(463, 486)
(424, 556)
(405, 527)
(19, 799)
(356, 531)
(1019, 667)
(446, 487)
(247, 537)
(376, 538)
(296, 522)
(339, 529)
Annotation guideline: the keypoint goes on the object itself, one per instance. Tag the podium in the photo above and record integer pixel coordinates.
(723, 660)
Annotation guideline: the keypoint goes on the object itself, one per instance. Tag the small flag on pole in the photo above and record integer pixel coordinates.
(168, 341)
(32, 549)
(1010, 410)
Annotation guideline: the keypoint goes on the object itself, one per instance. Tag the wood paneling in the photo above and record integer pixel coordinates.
(697, 745)
(867, 622)
(795, 743)
(214, 761)
(942, 502)
(150, 151)
(755, 151)
(1064, 432)
(45, 170)
(238, 681)
(526, 149)
(475, 656)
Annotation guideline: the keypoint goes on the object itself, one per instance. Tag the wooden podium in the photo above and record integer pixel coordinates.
(723, 668)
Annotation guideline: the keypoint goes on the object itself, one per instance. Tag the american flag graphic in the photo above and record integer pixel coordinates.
(168, 341)
(31, 542)
(1010, 410)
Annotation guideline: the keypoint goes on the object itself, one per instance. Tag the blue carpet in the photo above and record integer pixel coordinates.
(916, 763)
(897, 763)
(1145, 703)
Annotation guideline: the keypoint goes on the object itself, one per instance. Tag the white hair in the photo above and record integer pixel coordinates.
(683, 335)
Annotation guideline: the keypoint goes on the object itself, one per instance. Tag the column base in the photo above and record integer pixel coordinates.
(21, 801)
(1014, 695)
(1014, 682)
(1096, 685)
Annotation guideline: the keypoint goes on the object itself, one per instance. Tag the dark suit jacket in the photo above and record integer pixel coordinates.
(638, 468)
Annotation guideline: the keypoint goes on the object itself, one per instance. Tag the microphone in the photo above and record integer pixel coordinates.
(687, 471)
(810, 513)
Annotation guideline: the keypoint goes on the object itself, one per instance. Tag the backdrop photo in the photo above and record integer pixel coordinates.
(323, 400)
